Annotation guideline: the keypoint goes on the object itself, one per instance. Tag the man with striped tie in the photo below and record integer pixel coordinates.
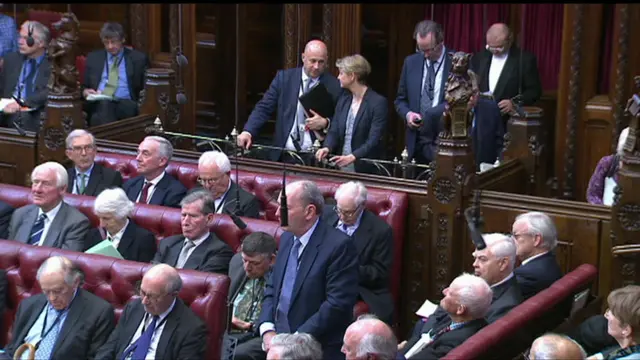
(49, 221)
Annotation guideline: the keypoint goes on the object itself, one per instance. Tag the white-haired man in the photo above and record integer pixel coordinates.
(298, 346)
(49, 221)
(85, 176)
(536, 238)
(369, 338)
(113, 208)
(153, 185)
(374, 240)
(214, 174)
(466, 302)
(556, 346)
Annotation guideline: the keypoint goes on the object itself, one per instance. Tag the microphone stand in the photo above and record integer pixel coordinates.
(284, 212)
(18, 122)
(475, 222)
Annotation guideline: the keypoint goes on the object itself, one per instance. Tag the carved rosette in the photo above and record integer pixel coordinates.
(629, 217)
(443, 190)
(442, 244)
(163, 101)
(54, 138)
(460, 173)
(628, 270)
(67, 123)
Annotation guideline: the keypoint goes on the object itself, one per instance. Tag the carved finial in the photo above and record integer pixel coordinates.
(413, 161)
(234, 132)
(395, 159)
(316, 145)
(158, 123)
(404, 155)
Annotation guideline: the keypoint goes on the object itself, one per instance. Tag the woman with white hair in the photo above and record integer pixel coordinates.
(113, 208)
(605, 177)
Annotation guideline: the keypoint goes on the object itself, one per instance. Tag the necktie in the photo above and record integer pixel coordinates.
(344, 228)
(426, 99)
(28, 80)
(36, 230)
(144, 341)
(282, 321)
(82, 178)
(109, 237)
(301, 116)
(112, 82)
(145, 192)
(184, 254)
(52, 328)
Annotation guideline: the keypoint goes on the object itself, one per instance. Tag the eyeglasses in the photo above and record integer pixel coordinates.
(347, 213)
(79, 149)
(210, 181)
(150, 297)
(428, 50)
(517, 235)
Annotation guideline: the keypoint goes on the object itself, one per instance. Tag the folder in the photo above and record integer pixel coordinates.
(426, 309)
(319, 100)
(105, 248)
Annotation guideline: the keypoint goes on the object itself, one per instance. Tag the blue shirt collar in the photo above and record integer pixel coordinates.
(118, 56)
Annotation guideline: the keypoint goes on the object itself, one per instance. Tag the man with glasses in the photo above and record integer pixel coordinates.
(196, 248)
(420, 96)
(86, 177)
(158, 325)
(118, 74)
(214, 174)
(374, 240)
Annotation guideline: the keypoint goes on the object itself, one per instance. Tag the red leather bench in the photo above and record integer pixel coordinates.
(500, 335)
(115, 281)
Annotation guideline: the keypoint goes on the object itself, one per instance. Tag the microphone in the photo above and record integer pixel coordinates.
(181, 98)
(236, 219)
(18, 122)
(181, 61)
(475, 222)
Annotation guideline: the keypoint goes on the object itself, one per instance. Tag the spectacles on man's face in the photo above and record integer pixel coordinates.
(515, 236)
(210, 181)
(347, 214)
(149, 296)
(427, 50)
(80, 149)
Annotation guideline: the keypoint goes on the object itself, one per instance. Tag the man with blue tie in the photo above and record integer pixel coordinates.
(116, 72)
(311, 287)
(64, 321)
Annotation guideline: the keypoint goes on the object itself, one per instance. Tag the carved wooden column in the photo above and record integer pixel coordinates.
(139, 25)
(160, 98)
(342, 30)
(297, 32)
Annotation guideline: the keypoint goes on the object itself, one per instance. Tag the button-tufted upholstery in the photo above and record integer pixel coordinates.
(494, 338)
(115, 281)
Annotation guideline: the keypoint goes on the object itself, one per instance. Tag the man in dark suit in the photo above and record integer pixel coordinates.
(116, 71)
(311, 287)
(373, 239)
(294, 131)
(49, 221)
(214, 174)
(25, 75)
(154, 186)
(64, 321)
(248, 271)
(197, 248)
(113, 208)
(86, 177)
(465, 303)
(420, 97)
(158, 325)
(6, 211)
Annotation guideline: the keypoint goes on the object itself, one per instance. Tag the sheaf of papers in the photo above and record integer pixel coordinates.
(426, 309)
(98, 97)
(105, 248)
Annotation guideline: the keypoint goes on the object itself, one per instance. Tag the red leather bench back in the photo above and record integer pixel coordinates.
(498, 334)
(115, 281)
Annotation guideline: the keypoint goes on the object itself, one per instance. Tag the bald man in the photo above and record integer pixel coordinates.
(554, 346)
(369, 338)
(295, 130)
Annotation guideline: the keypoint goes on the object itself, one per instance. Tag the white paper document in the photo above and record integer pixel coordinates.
(98, 97)
(5, 102)
(426, 309)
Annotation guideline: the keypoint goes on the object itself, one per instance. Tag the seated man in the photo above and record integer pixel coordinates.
(158, 324)
(555, 346)
(466, 302)
(24, 76)
(64, 321)
(197, 248)
(592, 334)
(116, 71)
(86, 177)
(6, 211)
(113, 208)
(49, 221)
(214, 174)
(154, 186)
(374, 240)
(248, 271)
(298, 346)
(370, 338)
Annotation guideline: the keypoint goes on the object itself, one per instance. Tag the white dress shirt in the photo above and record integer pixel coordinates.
(497, 64)
(155, 338)
(216, 202)
(152, 188)
(306, 142)
(51, 214)
(532, 258)
(503, 280)
(196, 242)
(76, 184)
(437, 84)
(115, 239)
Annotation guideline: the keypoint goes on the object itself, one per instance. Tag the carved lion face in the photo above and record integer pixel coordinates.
(460, 62)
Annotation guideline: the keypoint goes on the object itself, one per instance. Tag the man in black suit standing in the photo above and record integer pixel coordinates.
(158, 325)
(6, 211)
(25, 75)
(373, 239)
(113, 208)
(64, 321)
(214, 174)
(154, 186)
(117, 72)
(86, 177)
(197, 248)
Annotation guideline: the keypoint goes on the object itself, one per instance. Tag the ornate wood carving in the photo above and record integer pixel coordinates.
(327, 21)
(573, 104)
(345, 31)
(622, 69)
(297, 30)
(139, 26)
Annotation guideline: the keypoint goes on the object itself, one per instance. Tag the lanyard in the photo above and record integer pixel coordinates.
(221, 204)
(43, 333)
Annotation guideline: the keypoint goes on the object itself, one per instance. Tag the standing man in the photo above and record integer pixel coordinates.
(295, 130)
(311, 289)
(421, 91)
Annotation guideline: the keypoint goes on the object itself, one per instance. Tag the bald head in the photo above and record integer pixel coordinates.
(554, 346)
(314, 58)
(369, 337)
(499, 38)
(159, 288)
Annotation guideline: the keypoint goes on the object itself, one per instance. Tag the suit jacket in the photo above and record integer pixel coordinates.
(4, 295)
(67, 231)
(249, 203)
(168, 192)
(136, 243)
(9, 78)
(538, 274)
(184, 335)
(368, 128)
(6, 211)
(408, 99)
(136, 63)
(593, 335)
(101, 178)
(374, 242)
(283, 96)
(88, 324)
(213, 255)
(323, 294)
(506, 296)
